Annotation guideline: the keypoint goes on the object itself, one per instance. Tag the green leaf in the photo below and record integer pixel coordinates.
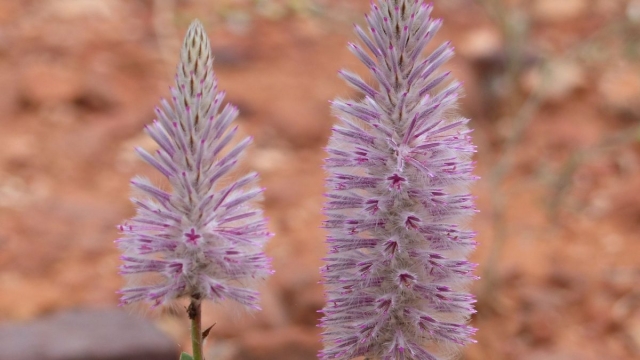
(185, 356)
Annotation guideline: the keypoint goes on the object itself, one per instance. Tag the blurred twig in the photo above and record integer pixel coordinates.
(277, 10)
(561, 185)
(164, 28)
(496, 176)
(514, 27)
(515, 34)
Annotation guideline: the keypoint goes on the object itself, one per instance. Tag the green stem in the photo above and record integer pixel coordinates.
(195, 314)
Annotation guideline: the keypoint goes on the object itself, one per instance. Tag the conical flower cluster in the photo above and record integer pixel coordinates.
(399, 169)
(205, 239)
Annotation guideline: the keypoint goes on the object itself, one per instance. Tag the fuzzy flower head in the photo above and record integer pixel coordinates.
(399, 169)
(204, 239)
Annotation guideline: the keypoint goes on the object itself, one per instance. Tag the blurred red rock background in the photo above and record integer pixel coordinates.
(553, 88)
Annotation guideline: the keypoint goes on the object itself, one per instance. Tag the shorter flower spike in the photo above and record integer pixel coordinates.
(205, 239)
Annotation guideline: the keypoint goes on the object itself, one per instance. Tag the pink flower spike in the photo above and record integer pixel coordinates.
(399, 167)
(201, 240)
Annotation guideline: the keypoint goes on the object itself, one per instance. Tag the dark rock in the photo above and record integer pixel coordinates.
(86, 335)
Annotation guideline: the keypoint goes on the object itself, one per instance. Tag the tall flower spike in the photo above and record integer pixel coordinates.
(204, 240)
(399, 165)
